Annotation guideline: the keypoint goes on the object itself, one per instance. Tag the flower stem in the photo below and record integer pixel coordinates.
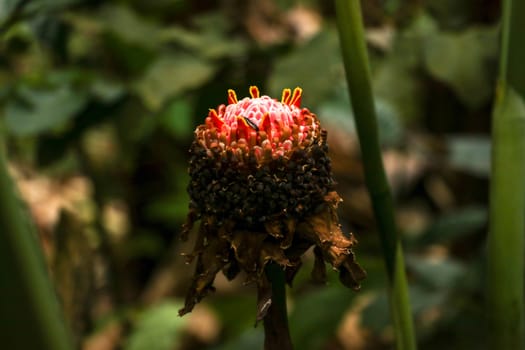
(30, 315)
(505, 273)
(355, 58)
(276, 330)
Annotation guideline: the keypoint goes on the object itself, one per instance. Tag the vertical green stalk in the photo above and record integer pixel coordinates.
(276, 330)
(505, 274)
(355, 58)
(29, 314)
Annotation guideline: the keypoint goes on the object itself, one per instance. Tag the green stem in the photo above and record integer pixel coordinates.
(276, 330)
(30, 317)
(355, 58)
(505, 273)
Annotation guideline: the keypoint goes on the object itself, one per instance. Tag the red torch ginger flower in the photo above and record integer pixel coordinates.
(269, 128)
(261, 184)
(260, 125)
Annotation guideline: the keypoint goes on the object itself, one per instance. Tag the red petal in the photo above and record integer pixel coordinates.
(216, 120)
(265, 123)
(243, 129)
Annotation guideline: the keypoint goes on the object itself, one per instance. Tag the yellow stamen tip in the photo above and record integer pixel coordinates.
(285, 98)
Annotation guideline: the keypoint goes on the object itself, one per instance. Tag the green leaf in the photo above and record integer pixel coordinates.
(396, 82)
(250, 339)
(451, 13)
(35, 111)
(376, 317)
(171, 75)
(438, 273)
(335, 111)
(425, 298)
(143, 244)
(237, 313)
(106, 90)
(316, 316)
(6, 9)
(302, 67)
(130, 26)
(212, 41)
(396, 77)
(32, 6)
(455, 225)
(462, 60)
(177, 119)
(470, 153)
(170, 208)
(158, 328)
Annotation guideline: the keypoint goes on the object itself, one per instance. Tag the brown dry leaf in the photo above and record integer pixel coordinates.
(273, 227)
(272, 252)
(289, 234)
(210, 262)
(247, 247)
(323, 228)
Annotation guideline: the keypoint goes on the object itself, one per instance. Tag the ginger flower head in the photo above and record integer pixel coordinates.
(261, 184)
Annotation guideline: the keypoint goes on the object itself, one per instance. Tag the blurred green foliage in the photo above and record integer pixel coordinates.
(159, 325)
(112, 90)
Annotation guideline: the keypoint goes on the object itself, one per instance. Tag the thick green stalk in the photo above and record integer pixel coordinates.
(505, 274)
(355, 58)
(29, 314)
(276, 330)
